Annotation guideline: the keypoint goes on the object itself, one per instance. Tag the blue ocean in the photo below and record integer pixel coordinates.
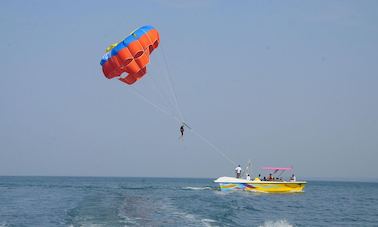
(107, 201)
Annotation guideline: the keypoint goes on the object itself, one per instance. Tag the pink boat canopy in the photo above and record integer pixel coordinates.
(276, 168)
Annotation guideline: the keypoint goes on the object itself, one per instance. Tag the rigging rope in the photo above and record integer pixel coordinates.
(144, 98)
(215, 148)
(171, 88)
(204, 139)
(175, 112)
(163, 96)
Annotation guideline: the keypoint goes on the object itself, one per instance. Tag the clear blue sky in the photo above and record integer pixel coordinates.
(278, 82)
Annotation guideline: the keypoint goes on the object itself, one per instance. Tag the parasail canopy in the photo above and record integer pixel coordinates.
(131, 55)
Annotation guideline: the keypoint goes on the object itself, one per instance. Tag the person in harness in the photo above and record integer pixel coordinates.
(182, 130)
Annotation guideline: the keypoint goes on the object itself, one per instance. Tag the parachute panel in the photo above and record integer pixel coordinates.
(132, 78)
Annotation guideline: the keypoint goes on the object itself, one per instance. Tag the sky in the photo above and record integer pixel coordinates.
(280, 83)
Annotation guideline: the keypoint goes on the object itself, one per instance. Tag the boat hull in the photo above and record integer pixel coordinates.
(235, 184)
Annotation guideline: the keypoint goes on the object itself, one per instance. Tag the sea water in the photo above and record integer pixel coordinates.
(96, 201)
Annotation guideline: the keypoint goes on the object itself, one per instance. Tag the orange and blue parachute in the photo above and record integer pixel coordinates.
(131, 55)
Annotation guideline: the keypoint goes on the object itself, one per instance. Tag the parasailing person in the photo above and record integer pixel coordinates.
(182, 130)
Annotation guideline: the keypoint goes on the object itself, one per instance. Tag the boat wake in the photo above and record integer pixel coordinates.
(278, 223)
(198, 188)
(149, 211)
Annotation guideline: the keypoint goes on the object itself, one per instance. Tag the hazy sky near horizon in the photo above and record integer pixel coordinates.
(278, 82)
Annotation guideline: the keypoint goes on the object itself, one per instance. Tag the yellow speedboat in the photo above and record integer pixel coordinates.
(257, 185)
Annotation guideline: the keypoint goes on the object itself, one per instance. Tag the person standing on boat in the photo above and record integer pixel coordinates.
(238, 171)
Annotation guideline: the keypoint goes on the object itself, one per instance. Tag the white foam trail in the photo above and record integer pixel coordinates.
(91, 225)
(197, 188)
(208, 222)
(126, 220)
(191, 218)
(279, 223)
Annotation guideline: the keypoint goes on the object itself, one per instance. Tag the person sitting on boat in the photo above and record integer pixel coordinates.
(248, 177)
(270, 178)
(258, 178)
(238, 171)
(264, 179)
(293, 178)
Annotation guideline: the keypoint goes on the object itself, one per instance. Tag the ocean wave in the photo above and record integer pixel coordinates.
(278, 223)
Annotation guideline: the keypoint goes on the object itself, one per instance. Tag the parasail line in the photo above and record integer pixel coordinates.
(215, 148)
(186, 125)
(168, 76)
(144, 98)
(204, 139)
(163, 97)
(168, 101)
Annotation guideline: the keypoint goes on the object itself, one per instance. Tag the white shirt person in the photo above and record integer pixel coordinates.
(238, 171)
